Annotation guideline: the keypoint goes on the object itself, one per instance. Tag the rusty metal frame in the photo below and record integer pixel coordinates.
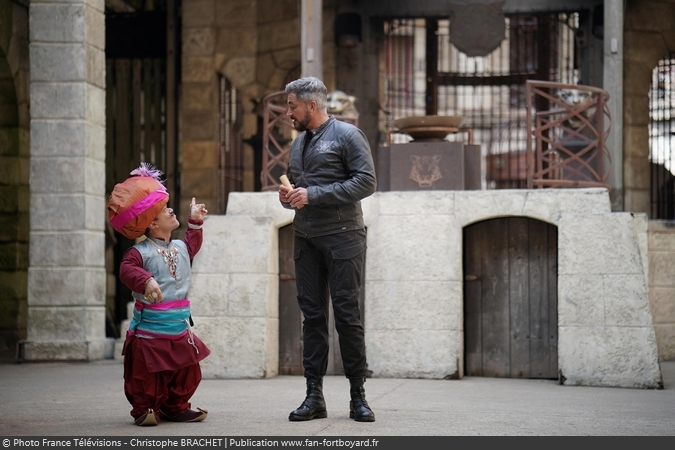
(275, 150)
(553, 162)
(275, 146)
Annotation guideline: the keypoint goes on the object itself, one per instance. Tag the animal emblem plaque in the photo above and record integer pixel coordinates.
(425, 169)
(429, 166)
(477, 29)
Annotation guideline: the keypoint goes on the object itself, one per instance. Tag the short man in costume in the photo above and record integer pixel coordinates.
(161, 352)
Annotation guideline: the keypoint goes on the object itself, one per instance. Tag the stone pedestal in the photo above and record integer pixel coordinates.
(429, 165)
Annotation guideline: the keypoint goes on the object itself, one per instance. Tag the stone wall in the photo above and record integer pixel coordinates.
(256, 46)
(662, 286)
(414, 263)
(649, 36)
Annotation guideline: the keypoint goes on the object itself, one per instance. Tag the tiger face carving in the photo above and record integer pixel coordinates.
(574, 97)
(425, 169)
(341, 104)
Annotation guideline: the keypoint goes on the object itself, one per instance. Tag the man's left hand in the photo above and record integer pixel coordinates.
(298, 197)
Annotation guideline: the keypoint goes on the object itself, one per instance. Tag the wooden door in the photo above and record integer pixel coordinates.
(510, 299)
(290, 317)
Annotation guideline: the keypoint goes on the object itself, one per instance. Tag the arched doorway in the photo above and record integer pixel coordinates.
(510, 298)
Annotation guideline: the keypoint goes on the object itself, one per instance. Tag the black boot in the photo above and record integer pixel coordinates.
(314, 406)
(358, 406)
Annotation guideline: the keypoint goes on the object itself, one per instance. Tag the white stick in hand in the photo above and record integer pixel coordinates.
(285, 182)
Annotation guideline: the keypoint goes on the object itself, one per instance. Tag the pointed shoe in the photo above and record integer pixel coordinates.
(147, 419)
(188, 416)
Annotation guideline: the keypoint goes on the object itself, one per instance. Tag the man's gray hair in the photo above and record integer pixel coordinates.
(309, 89)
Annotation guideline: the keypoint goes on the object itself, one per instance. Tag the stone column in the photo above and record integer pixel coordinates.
(613, 84)
(199, 135)
(311, 35)
(66, 275)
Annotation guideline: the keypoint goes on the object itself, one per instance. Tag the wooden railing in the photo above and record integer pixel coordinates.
(569, 139)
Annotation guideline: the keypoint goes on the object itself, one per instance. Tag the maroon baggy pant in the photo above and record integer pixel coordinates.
(165, 390)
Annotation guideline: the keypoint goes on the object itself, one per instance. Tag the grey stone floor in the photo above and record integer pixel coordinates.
(86, 399)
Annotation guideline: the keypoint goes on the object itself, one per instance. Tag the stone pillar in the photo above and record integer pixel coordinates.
(199, 142)
(66, 275)
(312, 43)
(613, 84)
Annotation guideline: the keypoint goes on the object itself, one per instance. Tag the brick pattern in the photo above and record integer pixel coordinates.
(647, 39)
(662, 286)
(256, 46)
(66, 274)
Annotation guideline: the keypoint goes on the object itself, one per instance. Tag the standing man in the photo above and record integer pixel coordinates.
(331, 169)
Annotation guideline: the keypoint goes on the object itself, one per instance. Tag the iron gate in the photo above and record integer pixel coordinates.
(488, 92)
(661, 139)
(231, 168)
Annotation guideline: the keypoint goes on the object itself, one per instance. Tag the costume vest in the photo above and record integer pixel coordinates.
(169, 264)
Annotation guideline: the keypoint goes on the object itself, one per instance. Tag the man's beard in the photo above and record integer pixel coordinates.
(301, 125)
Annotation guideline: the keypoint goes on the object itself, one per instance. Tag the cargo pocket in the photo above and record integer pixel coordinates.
(347, 269)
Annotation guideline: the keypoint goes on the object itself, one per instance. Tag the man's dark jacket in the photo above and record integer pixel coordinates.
(336, 167)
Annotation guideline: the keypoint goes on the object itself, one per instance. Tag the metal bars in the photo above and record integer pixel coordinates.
(567, 147)
(661, 139)
(230, 142)
(489, 91)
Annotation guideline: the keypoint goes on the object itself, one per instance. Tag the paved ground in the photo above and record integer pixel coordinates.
(86, 399)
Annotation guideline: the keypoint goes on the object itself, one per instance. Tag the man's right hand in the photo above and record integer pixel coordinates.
(283, 194)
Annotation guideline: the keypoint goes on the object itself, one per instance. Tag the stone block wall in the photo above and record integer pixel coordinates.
(235, 287)
(662, 286)
(603, 304)
(414, 271)
(256, 46)
(198, 114)
(648, 38)
(66, 277)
